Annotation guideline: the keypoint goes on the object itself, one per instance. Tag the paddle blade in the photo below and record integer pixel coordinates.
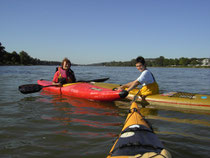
(30, 88)
(100, 80)
(95, 80)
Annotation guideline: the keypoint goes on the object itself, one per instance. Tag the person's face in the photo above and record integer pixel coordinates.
(140, 67)
(66, 65)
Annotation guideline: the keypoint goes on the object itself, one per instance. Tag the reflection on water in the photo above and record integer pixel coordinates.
(77, 107)
(177, 120)
(81, 113)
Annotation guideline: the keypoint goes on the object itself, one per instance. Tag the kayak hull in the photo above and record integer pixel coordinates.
(83, 90)
(180, 100)
(137, 139)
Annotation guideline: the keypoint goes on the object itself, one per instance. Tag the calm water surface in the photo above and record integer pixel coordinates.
(47, 125)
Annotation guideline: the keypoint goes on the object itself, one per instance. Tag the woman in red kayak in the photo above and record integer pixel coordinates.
(64, 74)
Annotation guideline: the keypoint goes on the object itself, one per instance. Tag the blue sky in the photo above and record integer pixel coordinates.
(91, 31)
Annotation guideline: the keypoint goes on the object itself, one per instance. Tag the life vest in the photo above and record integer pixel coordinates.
(66, 76)
(150, 89)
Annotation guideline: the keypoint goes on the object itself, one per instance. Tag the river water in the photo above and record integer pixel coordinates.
(47, 125)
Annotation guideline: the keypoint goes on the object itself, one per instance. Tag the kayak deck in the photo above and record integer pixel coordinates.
(137, 139)
(84, 90)
(178, 100)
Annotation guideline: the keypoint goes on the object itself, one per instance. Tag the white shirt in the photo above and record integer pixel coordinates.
(146, 78)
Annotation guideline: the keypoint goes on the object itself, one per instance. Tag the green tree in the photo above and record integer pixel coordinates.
(15, 58)
(194, 61)
(7, 58)
(171, 62)
(2, 54)
(24, 58)
(184, 61)
(166, 62)
(176, 61)
(159, 61)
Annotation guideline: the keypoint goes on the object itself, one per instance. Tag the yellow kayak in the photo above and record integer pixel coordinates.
(179, 100)
(137, 139)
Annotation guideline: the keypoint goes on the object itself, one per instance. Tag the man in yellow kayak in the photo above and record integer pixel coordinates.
(146, 79)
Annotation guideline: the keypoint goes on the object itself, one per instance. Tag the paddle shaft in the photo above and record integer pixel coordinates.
(135, 97)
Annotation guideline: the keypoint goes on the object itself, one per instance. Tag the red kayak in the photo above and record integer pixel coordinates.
(84, 90)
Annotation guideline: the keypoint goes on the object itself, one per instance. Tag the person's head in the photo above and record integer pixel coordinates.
(66, 64)
(140, 63)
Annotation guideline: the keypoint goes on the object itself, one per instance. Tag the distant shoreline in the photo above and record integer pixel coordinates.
(205, 67)
(23, 58)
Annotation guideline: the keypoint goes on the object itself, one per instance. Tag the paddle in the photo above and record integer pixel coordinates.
(95, 80)
(32, 88)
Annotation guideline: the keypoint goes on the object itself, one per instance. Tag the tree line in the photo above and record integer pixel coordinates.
(158, 62)
(21, 58)
(162, 61)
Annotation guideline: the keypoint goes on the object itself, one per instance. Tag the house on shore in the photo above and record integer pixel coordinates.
(205, 62)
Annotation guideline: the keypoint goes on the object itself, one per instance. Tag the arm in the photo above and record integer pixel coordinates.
(133, 85)
(130, 85)
(126, 85)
